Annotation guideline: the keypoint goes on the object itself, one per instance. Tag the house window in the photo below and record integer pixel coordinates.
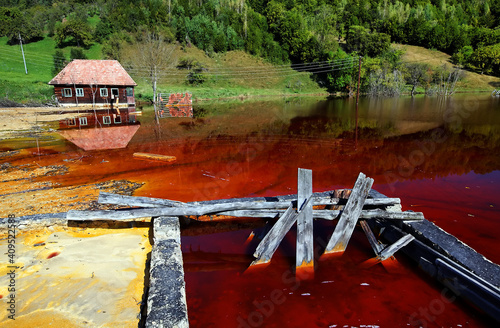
(67, 92)
(118, 119)
(104, 92)
(83, 120)
(130, 92)
(71, 122)
(106, 119)
(79, 92)
(114, 92)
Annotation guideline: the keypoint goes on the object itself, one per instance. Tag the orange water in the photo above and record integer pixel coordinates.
(255, 149)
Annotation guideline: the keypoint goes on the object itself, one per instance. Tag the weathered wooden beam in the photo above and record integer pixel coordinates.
(168, 211)
(271, 241)
(166, 304)
(345, 227)
(388, 251)
(329, 214)
(382, 214)
(377, 248)
(109, 198)
(115, 199)
(304, 260)
(130, 214)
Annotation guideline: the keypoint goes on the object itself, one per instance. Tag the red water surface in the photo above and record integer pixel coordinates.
(454, 182)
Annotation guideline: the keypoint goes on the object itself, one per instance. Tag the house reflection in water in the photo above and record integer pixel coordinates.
(103, 129)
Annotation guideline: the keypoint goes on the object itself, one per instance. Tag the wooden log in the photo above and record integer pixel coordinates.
(271, 241)
(109, 198)
(345, 227)
(155, 157)
(304, 260)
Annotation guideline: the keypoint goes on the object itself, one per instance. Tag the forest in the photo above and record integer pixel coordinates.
(300, 33)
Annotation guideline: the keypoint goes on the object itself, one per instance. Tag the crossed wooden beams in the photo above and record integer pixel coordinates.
(289, 212)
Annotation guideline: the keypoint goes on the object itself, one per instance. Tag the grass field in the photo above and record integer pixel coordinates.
(473, 82)
(233, 74)
(229, 75)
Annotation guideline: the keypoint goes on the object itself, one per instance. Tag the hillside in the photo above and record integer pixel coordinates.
(472, 82)
(229, 74)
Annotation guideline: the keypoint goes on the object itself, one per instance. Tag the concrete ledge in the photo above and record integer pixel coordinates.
(166, 306)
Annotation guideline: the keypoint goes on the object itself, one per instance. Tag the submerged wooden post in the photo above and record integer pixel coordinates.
(377, 248)
(304, 262)
(271, 241)
(347, 222)
(388, 251)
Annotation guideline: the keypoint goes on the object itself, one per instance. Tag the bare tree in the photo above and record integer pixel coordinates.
(93, 88)
(445, 80)
(155, 55)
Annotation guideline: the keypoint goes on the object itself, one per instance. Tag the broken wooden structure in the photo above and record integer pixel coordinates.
(444, 257)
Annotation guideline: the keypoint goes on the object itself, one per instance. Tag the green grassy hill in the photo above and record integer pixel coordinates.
(473, 82)
(232, 74)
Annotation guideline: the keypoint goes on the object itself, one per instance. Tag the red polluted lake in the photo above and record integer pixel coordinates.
(440, 156)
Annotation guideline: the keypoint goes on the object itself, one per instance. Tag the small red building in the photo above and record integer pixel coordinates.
(103, 83)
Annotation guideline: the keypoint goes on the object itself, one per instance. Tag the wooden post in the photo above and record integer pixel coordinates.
(377, 248)
(271, 241)
(349, 217)
(22, 50)
(357, 101)
(304, 262)
(388, 251)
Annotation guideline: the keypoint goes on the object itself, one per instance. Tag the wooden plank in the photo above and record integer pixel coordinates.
(305, 249)
(265, 213)
(271, 241)
(155, 157)
(345, 227)
(388, 251)
(167, 211)
(329, 214)
(377, 248)
(109, 198)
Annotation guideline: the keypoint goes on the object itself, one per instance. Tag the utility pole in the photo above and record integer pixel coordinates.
(359, 79)
(24, 59)
(357, 101)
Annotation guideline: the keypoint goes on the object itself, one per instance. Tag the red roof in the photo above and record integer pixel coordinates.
(99, 72)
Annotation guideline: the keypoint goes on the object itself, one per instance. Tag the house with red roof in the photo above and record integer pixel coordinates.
(101, 83)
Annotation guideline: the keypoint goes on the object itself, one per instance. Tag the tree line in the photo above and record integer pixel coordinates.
(281, 31)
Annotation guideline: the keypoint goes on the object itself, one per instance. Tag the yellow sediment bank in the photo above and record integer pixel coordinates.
(75, 277)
